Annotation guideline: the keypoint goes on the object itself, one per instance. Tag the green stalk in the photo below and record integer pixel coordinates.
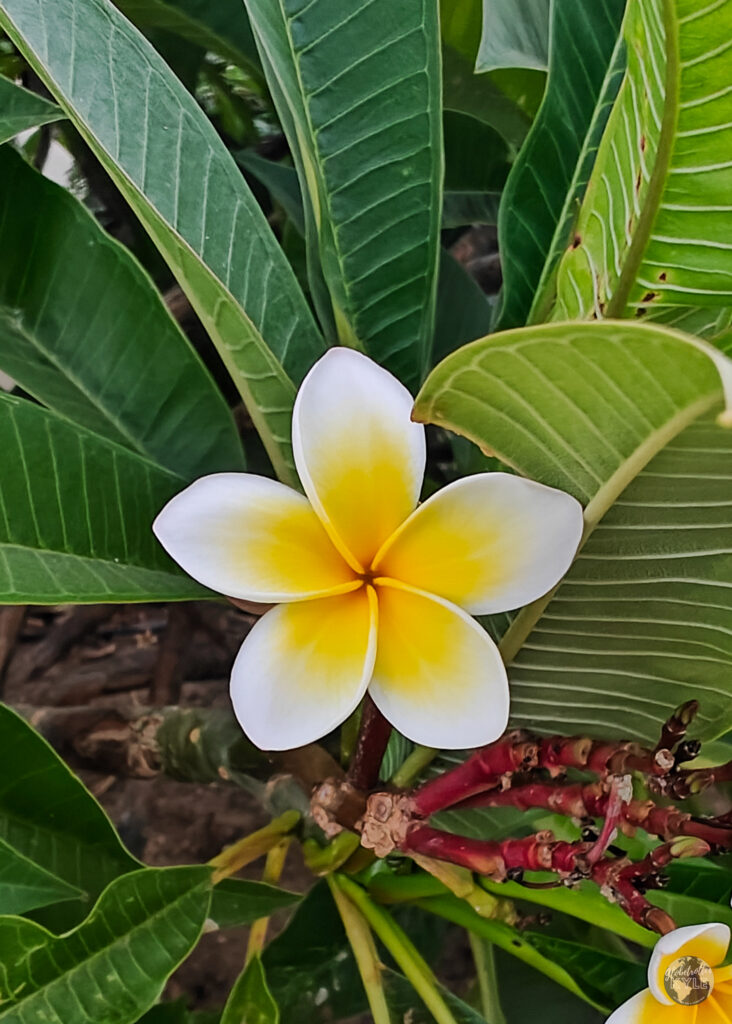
(364, 950)
(413, 965)
(245, 850)
(485, 968)
(413, 765)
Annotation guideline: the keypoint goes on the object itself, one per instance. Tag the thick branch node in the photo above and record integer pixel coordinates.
(386, 822)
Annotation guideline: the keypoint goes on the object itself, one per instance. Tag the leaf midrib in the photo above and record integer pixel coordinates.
(520, 628)
(617, 305)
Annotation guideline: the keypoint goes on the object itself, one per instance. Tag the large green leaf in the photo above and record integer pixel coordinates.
(358, 93)
(539, 203)
(49, 820)
(25, 886)
(618, 415)
(655, 224)
(113, 966)
(76, 513)
(90, 337)
(515, 35)
(165, 156)
(20, 110)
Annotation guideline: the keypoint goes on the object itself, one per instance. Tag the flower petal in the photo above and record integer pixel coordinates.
(644, 1009)
(490, 542)
(707, 941)
(303, 668)
(251, 538)
(717, 1009)
(438, 676)
(360, 458)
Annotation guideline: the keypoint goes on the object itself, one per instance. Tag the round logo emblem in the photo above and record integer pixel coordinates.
(688, 980)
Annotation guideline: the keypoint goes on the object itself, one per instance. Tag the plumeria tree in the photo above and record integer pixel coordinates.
(404, 328)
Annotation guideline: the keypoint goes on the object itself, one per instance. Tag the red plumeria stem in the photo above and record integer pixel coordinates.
(373, 737)
(618, 798)
(539, 852)
(591, 800)
(618, 877)
(484, 770)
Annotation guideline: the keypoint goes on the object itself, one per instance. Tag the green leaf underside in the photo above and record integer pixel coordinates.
(515, 35)
(222, 27)
(48, 817)
(91, 338)
(586, 408)
(250, 1001)
(656, 221)
(114, 965)
(25, 886)
(20, 110)
(548, 180)
(641, 621)
(76, 513)
(148, 132)
(366, 136)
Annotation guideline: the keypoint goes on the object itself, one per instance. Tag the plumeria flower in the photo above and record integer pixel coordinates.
(686, 985)
(372, 591)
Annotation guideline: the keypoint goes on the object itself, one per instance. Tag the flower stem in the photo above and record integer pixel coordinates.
(415, 969)
(245, 850)
(373, 736)
(364, 950)
(273, 866)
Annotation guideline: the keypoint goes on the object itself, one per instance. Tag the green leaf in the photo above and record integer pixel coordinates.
(549, 178)
(515, 35)
(49, 820)
(20, 110)
(608, 979)
(586, 408)
(237, 901)
(655, 224)
(112, 966)
(250, 1001)
(509, 939)
(119, 364)
(370, 169)
(476, 156)
(522, 990)
(76, 513)
(310, 969)
(479, 96)
(168, 162)
(406, 1005)
(25, 886)
(463, 310)
(702, 879)
(222, 28)
(584, 902)
(281, 180)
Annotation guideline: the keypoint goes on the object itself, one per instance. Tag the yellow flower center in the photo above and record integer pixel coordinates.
(689, 980)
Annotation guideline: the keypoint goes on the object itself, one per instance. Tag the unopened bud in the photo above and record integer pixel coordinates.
(688, 846)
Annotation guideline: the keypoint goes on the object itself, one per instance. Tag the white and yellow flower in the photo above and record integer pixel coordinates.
(371, 590)
(686, 984)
